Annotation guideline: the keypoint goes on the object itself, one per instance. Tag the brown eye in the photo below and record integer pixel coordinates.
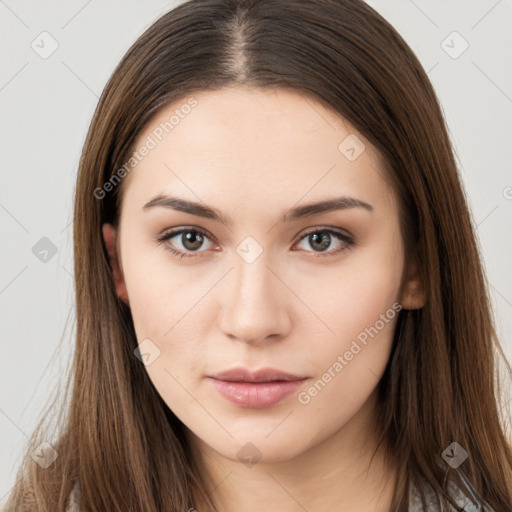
(321, 239)
(188, 240)
(191, 240)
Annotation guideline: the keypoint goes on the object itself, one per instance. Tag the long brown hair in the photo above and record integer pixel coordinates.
(116, 436)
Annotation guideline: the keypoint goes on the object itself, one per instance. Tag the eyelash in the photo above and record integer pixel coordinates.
(350, 242)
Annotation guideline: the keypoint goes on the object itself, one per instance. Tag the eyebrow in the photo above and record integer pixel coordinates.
(298, 212)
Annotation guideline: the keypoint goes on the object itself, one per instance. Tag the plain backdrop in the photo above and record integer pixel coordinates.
(56, 58)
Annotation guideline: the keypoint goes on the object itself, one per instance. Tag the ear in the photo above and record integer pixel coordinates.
(413, 294)
(110, 236)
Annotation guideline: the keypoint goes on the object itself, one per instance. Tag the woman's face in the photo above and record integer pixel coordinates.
(266, 281)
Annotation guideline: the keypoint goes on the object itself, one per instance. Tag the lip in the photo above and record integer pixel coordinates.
(255, 389)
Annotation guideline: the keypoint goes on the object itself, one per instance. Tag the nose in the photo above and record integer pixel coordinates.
(255, 304)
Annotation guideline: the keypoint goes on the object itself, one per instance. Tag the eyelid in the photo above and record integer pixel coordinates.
(343, 236)
(339, 231)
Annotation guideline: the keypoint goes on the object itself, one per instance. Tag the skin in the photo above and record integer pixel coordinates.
(254, 154)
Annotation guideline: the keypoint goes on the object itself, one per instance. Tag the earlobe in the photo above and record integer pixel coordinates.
(109, 236)
(413, 295)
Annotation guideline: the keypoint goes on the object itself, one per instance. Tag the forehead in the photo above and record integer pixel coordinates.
(254, 143)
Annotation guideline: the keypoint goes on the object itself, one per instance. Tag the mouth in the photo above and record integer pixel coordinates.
(255, 390)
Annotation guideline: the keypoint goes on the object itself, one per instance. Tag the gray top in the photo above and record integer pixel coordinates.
(74, 499)
(463, 501)
(467, 500)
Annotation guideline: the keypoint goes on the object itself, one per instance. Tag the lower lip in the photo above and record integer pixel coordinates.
(256, 395)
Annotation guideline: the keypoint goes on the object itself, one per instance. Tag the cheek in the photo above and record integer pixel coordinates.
(162, 307)
(359, 306)
(347, 296)
(160, 292)
(352, 295)
(170, 308)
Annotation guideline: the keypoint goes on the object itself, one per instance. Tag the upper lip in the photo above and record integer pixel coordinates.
(262, 375)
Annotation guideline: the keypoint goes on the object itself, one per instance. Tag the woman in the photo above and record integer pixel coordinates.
(280, 300)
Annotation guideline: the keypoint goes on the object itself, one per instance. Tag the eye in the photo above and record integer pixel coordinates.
(191, 239)
(321, 239)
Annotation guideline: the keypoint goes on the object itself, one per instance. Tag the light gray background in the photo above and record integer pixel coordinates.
(47, 105)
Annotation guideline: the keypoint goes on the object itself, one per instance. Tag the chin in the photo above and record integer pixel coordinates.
(259, 447)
